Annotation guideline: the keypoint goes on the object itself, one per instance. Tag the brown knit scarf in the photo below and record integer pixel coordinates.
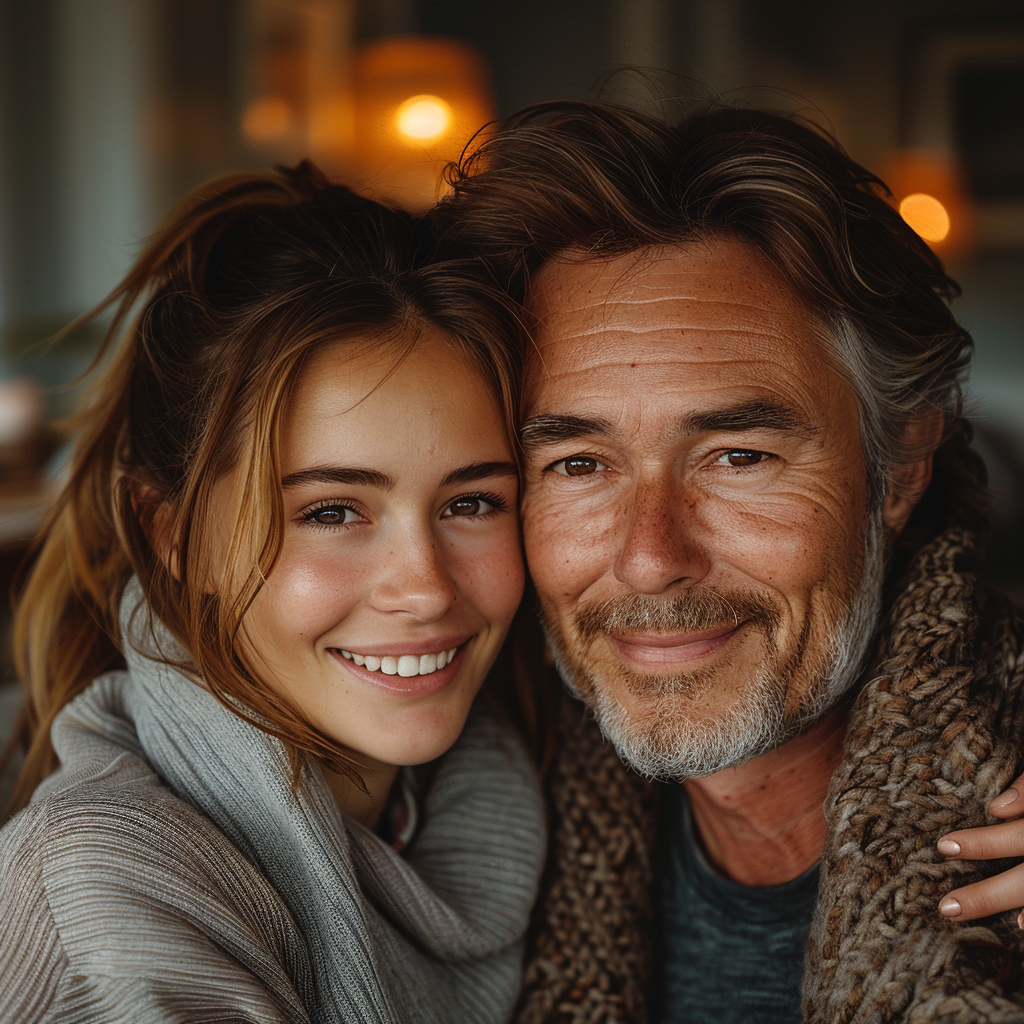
(935, 733)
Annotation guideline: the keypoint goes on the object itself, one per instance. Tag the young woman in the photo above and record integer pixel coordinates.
(285, 561)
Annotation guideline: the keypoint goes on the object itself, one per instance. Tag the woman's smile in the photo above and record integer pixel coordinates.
(409, 674)
(403, 663)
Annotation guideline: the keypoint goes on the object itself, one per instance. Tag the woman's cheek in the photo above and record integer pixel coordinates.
(306, 596)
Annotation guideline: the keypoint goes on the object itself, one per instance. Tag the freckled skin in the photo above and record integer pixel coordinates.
(642, 342)
(401, 570)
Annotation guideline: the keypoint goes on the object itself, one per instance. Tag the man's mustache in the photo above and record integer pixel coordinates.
(696, 609)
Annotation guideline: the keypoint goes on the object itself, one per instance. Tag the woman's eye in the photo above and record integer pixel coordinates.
(474, 505)
(578, 465)
(739, 458)
(331, 515)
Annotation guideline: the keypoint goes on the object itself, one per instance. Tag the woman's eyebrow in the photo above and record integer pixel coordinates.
(479, 471)
(339, 475)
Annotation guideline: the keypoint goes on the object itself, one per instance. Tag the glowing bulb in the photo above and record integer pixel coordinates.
(423, 118)
(926, 215)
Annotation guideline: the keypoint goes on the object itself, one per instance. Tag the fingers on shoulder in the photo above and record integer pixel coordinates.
(993, 895)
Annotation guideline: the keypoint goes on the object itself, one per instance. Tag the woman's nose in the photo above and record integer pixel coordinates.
(415, 579)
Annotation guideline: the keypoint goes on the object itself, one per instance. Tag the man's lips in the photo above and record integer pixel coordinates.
(660, 650)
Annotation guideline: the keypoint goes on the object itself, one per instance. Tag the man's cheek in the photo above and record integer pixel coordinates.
(565, 552)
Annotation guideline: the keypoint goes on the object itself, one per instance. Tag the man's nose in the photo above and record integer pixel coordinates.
(660, 546)
(415, 578)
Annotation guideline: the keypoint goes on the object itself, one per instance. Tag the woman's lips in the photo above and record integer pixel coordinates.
(665, 650)
(393, 670)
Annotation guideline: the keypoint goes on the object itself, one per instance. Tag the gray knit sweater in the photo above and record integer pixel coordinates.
(166, 873)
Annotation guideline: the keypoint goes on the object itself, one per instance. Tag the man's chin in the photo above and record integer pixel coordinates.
(664, 727)
(666, 736)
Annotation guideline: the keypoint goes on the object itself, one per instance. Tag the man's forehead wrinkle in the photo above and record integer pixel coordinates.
(647, 314)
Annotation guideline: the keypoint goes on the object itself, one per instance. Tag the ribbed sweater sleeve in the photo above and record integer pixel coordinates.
(30, 947)
(138, 911)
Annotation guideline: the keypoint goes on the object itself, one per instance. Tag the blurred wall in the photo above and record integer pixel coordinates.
(77, 188)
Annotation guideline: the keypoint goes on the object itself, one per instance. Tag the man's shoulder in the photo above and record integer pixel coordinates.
(935, 734)
(1000, 636)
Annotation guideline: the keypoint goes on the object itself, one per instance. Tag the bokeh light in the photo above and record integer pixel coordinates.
(926, 215)
(423, 118)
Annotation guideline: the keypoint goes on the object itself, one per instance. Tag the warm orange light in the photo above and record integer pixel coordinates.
(928, 190)
(926, 215)
(423, 118)
(267, 119)
(416, 103)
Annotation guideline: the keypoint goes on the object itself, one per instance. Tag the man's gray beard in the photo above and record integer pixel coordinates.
(663, 744)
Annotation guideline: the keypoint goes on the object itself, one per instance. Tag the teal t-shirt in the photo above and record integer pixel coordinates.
(728, 952)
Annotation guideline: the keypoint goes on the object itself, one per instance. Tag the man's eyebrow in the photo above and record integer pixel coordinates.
(479, 471)
(339, 475)
(542, 430)
(753, 415)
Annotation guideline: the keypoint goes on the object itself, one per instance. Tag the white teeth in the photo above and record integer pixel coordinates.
(404, 664)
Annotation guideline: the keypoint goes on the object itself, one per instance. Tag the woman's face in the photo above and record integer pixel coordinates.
(400, 569)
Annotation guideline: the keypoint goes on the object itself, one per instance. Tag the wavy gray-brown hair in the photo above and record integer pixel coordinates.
(606, 180)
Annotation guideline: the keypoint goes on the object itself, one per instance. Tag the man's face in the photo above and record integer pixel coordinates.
(697, 511)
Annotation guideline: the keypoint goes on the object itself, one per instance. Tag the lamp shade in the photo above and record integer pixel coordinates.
(417, 101)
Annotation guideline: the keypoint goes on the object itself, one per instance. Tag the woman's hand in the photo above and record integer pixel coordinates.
(1000, 892)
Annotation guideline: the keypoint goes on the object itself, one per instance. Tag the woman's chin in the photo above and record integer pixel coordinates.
(416, 743)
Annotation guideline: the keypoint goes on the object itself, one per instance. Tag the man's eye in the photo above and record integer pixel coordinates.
(739, 458)
(578, 465)
(474, 505)
(330, 515)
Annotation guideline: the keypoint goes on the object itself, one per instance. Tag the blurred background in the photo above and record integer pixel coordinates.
(111, 109)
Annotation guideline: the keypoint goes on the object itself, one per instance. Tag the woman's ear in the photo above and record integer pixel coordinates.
(908, 482)
(154, 516)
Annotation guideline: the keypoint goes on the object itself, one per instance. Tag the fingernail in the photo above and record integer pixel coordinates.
(949, 847)
(950, 907)
(1020, 920)
(1005, 799)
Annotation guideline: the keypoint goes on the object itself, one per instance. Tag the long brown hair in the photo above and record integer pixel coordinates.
(248, 277)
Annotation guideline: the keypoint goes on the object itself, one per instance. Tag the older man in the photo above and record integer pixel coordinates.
(750, 504)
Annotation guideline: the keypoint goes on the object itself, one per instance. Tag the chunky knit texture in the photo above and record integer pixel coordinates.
(936, 732)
